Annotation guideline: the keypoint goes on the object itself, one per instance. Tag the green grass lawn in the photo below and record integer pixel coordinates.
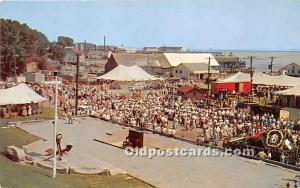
(23, 176)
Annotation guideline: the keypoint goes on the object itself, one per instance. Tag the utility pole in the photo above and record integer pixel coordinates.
(271, 65)
(148, 63)
(208, 94)
(77, 77)
(104, 42)
(208, 77)
(251, 75)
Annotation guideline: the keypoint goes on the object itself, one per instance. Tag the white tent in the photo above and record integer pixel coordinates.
(262, 79)
(238, 77)
(280, 80)
(125, 73)
(292, 91)
(20, 94)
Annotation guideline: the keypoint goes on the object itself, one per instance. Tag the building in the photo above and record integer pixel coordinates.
(158, 63)
(290, 97)
(71, 56)
(152, 63)
(31, 67)
(95, 66)
(172, 49)
(191, 92)
(96, 54)
(53, 63)
(229, 63)
(36, 77)
(175, 59)
(237, 83)
(292, 69)
(106, 47)
(196, 71)
(150, 49)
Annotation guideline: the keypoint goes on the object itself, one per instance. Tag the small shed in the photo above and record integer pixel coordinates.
(191, 92)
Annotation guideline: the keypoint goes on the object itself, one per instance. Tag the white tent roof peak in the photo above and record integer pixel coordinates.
(291, 91)
(127, 73)
(262, 79)
(20, 94)
(238, 77)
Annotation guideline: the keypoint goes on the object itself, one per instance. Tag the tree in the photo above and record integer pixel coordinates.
(56, 52)
(65, 41)
(18, 41)
(42, 62)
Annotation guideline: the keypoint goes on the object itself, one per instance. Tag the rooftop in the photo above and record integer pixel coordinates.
(155, 60)
(185, 88)
(176, 58)
(198, 68)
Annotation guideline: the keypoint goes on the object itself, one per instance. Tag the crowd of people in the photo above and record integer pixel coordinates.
(162, 111)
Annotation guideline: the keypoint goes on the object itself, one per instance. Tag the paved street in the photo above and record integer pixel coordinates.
(159, 171)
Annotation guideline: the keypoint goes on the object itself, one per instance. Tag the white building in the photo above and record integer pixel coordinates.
(292, 69)
(197, 71)
(172, 49)
(71, 56)
(150, 49)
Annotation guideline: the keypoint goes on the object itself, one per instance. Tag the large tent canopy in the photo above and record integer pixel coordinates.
(126, 73)
(236, 78)
(262, 79)
(20, 94)
(295, 91)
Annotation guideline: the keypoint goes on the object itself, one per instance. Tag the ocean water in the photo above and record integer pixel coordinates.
(262, 60)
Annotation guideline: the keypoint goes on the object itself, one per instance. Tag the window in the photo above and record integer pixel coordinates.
(298, 71)
(293, 71)
(180, 71)
(176, 71)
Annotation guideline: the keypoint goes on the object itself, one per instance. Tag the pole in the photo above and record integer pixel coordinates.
(251, 76)
(104, 42)
(77, 76)
(271, 66)
(55, 130)
(208, 77)
(148, 63)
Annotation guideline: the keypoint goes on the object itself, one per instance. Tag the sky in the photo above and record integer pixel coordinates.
(194, 24)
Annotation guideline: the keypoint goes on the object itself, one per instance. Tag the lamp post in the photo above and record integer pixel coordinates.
(55, 128)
